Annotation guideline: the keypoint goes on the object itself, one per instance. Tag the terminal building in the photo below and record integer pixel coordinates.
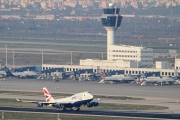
(141, 55)
(132, 59)
(177, 64)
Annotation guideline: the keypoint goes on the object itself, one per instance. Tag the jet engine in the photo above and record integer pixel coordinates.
(58, 105)
(96, 104)
(90, 104)
(40, 104)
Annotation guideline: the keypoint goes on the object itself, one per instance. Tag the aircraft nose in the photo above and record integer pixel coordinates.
(91, 96)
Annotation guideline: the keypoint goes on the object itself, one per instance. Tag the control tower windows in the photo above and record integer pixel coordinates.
(111, 11)
(111, 21)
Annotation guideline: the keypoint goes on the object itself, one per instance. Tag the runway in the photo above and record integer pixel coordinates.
(70, 86)
(139, 114)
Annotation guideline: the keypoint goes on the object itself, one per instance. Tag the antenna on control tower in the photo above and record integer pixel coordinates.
(111, 5)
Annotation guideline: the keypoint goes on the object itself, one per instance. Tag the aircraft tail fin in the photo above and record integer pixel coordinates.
(8, 72)
(47, 95)
(143, 75)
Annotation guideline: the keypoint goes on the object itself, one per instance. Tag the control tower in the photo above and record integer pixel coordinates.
(111, 20)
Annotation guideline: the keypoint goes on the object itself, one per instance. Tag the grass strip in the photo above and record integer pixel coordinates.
(40, 116)
(65, 95)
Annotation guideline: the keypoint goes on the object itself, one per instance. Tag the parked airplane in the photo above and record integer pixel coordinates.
(117, 79)
(24, 74)
(74, 101)
(157, 81)
(3, 73)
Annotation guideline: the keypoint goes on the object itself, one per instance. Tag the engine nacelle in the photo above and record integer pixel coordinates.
(96, 104)
(40, 104)
(58, 105)
(92, 104)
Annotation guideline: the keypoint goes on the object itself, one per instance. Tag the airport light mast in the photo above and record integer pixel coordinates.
(111, 20)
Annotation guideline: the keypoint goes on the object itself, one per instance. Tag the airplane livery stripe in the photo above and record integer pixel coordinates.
(48, 99)
(46, 92)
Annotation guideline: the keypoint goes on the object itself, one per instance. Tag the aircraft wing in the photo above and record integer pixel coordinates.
(98, 100)
(34, 101)
(149, 81)
(45, 103)
(26, 101)
(113, 79)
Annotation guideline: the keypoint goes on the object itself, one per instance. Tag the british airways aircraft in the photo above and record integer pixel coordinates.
(68, 103)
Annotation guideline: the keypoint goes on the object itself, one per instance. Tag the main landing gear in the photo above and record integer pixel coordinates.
(64, 109)
(71, 109)
(78, 108)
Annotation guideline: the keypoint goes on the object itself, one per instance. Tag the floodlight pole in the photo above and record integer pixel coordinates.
(71, 58)
(6, 54)
(42, 58)
(13, 59)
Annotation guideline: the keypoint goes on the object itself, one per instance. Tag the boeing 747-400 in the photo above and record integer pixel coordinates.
(68, 103)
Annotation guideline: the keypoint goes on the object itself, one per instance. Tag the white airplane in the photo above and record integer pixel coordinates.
(2, 73)
(74, 101)
(157, 81)
(117, 79)
(25, 74)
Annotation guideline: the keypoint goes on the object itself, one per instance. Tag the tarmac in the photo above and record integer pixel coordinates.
(168, 96)
(103, 113)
